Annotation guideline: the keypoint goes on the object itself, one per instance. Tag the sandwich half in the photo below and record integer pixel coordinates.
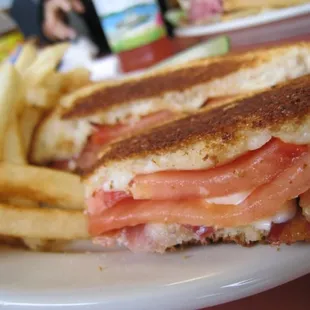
(231, 173)
(100, 114)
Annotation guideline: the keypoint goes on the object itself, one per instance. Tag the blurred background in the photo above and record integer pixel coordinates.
(111, 38)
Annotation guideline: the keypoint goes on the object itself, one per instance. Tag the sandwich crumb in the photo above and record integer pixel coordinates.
(101, 268)
(206, 157)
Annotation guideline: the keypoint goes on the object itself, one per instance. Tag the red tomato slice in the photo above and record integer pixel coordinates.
(245, 173)
(105, 134)
(101, 200)
(88, 157)
(263, 203)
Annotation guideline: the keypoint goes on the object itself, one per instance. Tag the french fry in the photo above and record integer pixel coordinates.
(45, 63)
(53, 82)
(41, 97)
(42, 223)
(74, 80)
(13, 151)
(26, 57)
(23, 188)
(28, 121)
(9, 81)
(55, 188)
(37, 244)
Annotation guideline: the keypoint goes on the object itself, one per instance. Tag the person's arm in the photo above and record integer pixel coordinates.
(41, 19)
(53, 21)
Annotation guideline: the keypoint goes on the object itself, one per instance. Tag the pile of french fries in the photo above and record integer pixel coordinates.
(38, 205)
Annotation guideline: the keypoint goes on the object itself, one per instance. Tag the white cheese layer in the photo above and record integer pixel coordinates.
(280, 217)
(233, 199)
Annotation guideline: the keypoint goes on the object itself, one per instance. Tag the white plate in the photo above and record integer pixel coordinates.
(250, 21)
(190, 279)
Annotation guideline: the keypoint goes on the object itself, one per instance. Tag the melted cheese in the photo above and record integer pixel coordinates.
(233, 199)
(280, 217)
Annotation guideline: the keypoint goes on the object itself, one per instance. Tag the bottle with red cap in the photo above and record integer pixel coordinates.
(136, 32)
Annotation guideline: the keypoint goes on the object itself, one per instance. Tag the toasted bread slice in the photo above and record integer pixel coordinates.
(211, 137)
(55, 139)
(181, 89)
(188, 86)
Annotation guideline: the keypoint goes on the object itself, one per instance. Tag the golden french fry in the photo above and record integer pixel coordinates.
(56, 188)
(28, 121)
(53, 82)
(37, 244)
(22, 202)
(13, 151)
(43, 223)
(74, 80)
(41, 97)
(9, 81)
(45, 63)
(26, 57)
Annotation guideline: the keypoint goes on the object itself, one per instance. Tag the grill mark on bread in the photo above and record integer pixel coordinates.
(155, 85)
(179, 79)
(269, 109)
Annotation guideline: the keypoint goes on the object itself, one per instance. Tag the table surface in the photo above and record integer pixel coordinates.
(289, 296)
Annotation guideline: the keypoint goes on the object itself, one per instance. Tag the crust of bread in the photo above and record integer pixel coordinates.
(191, 84)
(54, 139)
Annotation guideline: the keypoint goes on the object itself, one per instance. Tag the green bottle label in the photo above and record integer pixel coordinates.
(129, 24)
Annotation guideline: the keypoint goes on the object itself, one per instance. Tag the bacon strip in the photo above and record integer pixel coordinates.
(298, 229)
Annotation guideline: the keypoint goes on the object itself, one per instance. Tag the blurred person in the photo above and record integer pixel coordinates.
(54, 24)
(58, 20)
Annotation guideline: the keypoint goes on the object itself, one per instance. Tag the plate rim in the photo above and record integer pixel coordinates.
(192, 291)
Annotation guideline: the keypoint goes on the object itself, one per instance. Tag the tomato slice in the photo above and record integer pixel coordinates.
(102, 200)
(104, 133)
(245, 173)
(263, 203)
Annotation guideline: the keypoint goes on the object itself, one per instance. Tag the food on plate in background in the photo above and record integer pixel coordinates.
(100, 114)
(39, 207)
(228, 174)
(211, 11)
(231, 5)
